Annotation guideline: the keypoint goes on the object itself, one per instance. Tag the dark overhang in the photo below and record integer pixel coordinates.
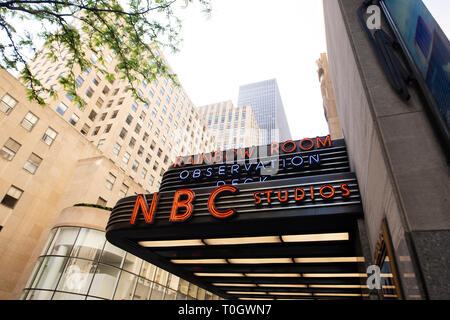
(298, 246)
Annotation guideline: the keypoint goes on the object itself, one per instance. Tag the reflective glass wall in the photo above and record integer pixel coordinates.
(79, 264)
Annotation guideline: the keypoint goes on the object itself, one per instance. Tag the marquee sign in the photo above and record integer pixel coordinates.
(276, 161)
(290, 188)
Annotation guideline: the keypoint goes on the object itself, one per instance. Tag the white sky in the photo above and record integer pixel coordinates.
(254, 40)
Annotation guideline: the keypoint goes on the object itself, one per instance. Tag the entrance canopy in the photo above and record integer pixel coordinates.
(290, 236)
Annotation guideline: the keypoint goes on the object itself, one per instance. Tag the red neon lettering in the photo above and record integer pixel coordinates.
(290, 150)
(257, 198)
(268, 192)
(327, 196)
(300, 144)
(247, 153)
(274, 148)
(345, 190)
(286, 197)
(212, 207)
(178, 162)
(177, 203)
(325, 144)
(148, 212)
(297, 198)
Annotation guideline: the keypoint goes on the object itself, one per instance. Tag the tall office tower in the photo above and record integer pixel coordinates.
(265, 100)
(232, 127)
(329, 102)
(62, 155)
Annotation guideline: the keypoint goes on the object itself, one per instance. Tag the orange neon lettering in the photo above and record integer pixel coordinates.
(177, 203)
(274, 148)
(300, 144)
(325, 144)
(247, 153)
(212, 207)
(290, 150)
(327, 196)
(257, 198)
(178, 162)
(297, 198)
(268, 192)
(141, 203)
(311, 188)
(345, 190)
(286, 197)
(218, 156)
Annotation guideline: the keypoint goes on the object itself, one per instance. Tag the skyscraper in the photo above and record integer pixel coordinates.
(265, 100)
(232, 127)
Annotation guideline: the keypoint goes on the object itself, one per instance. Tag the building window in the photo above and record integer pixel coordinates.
(33, 163)
(140, 151)
(145, 137)
(123, 190)
(96, 130)
(96, 80)
(74, 119)
(101, 201)
(61, 109)
(132, 142)
(49, 136)
(79, 81)
(29, 121)
(137, 129)
(92, 115)
(126, 158)
(11, 197)
(151, 180)
(116, 149)
(10, 149)
(100, 143)
(99, 102)
(85, 129)
(134, 106)
(110, 180)
(135, 166)
(89, 92)
(143, 173)
(123, 133)
(7, 103)
(108, 128)
(129, 119)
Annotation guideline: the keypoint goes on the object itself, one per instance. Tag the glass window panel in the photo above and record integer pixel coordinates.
(125, 287)
(93, 298)
(39, 295)
(132, 263)
(77, 276)
(208, 295)
(148, 270)
(49, 241)
(170, 295)
(49, 273)
(181, 296)
(157, 292)
(23, 295)
(89, 244)
(142, 289)
(112, 255)
(33, 274)
(104, 282)
(67, 296)
(63, 241)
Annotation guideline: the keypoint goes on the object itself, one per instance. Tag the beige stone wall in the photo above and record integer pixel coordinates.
(401, 168)
(329, 101)
(72, 171)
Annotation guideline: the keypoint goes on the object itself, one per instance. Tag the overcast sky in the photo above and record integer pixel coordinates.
(248, 41)
(254, 40)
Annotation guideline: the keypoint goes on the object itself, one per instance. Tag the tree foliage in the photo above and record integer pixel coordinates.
(132, 29)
